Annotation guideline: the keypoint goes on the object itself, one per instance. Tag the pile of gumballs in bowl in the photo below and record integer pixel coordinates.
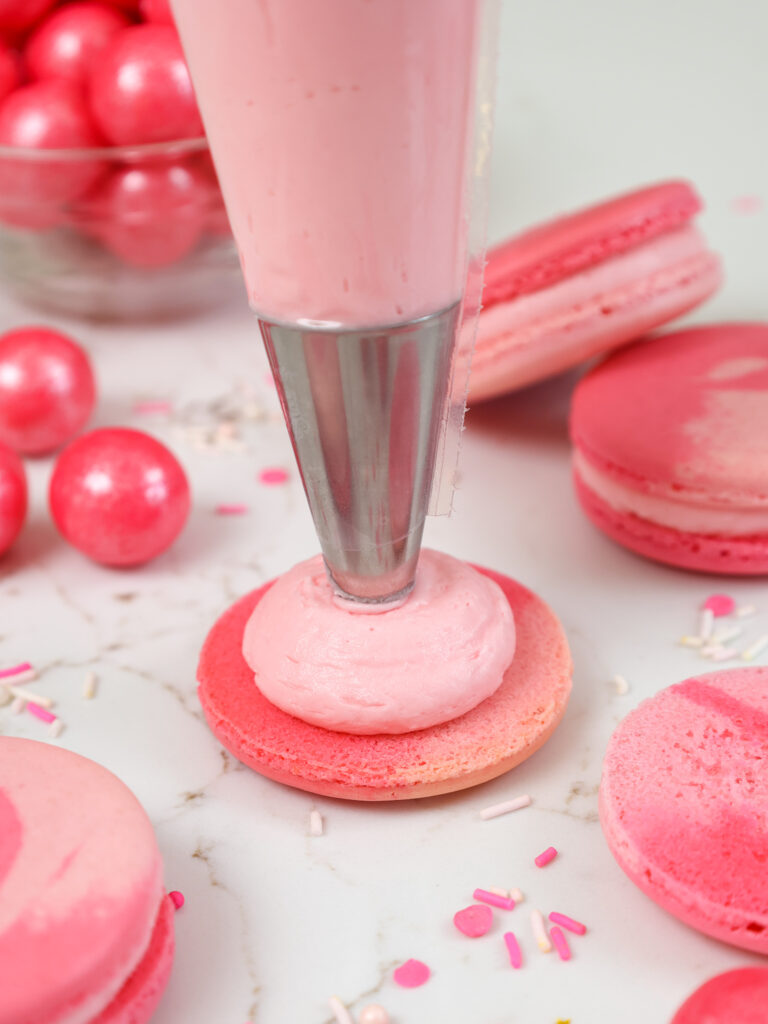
(109, 203)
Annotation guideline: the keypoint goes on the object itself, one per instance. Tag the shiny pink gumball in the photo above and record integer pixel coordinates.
(47, 391)
(151, 215)
(157, 11)
(17, 16)
(10, 70)
(45, 115)
(65, 44)
(119, 496)
(13, 497)
(140, 89)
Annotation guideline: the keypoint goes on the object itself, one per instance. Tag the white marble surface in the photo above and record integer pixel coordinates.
(594, 97)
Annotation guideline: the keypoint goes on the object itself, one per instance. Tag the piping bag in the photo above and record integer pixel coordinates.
(351, 141)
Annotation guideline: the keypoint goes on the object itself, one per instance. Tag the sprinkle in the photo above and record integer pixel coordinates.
(152, 406)
(177, 899)
(621, 684)
(89, 686)
(411, 974)
(691, 641)
(719, 604)
(5, 696)
(568, 922)
(40, 712)
(708, 650)
(706, 623)
(540, 931)
(561, 943)
(15, 670)
(516, 895)
(18, 706)
(273, 475)
(513, 948)
(498, 892)
(339, 1011)
(233, 509)
(474, 921)
(27, 695)
(546, 857)
(496, 810)
(723, 654)
(758, 646)
(315, 823)
(504, 902)
(20, 677)
(56, 728)
(745, 611)
(373, 1014)
(727, 634)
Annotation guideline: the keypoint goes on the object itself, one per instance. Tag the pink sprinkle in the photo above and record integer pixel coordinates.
(474, 921)
(15, 670)
(273, 475)
(177, 899)
(568, 922)
(720, 604)
(231, 510)
(150, 407)
(513, 948)
(411, 974)
(545, 858)
(560, 943)
(41, 713)
(504, 902)
(747, 204)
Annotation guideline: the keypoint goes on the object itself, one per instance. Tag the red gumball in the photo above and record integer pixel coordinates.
(45, 115)
(157, 11)
(151, 215)
(66, 43)
(47, 391)
(119, 496)
(13, 497)
(10, 70)
(140, 89)
(16, 16)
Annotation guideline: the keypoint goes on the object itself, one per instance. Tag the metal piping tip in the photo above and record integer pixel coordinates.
(364, 408)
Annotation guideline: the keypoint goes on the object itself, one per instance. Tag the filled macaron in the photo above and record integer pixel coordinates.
(588, 282)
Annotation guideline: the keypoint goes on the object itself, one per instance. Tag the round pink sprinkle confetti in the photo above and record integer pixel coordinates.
(720, 604)
(411, 974)
(177, 899)
(273, 475)
(474, 921)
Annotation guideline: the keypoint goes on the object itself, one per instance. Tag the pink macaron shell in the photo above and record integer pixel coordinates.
(487, 741)
(735, 997)
(683, 799)
(679, 424)
(80, 888)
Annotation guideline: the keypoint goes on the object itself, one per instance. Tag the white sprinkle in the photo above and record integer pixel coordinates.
(516, 895)
(26, 695)
(706, 623)
(509, 805)
(621, 685)
(498, 892)
(745, 611)
(18, 706)
(709, 650)
(690, 641)
(724, 654)
(56, 728)
(5, 696)
(340, 1012)
(315, 823)
(758, 646)
(727, 634)
(89, 686)
(540, 931)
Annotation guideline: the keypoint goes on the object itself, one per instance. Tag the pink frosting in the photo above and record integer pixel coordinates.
(430, 660)
(80, 885)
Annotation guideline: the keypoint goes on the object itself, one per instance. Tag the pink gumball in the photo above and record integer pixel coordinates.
(140, 89)
(151, 215)
(157, 11)
(119, 496)
(13, 497)
(16, 16)
(10, 70)
(47, 391)
(45, 115)
(66, 43)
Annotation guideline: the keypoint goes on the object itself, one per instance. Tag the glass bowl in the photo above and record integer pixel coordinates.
(126, 233)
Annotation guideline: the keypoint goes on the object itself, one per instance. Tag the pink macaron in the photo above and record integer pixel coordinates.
(588, 282)
(683, 803)
(736, 997)
(670, 443)
(492, 738)
(86, 930)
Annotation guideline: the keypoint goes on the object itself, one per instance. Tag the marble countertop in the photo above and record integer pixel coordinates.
(594, 98)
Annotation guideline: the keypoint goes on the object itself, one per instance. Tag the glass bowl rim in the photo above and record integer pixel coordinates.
(137, 151)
